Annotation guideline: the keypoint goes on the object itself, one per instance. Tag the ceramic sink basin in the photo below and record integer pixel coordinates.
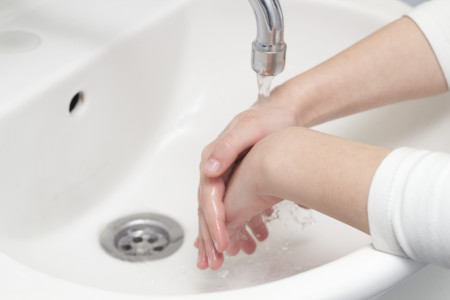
(105, 107)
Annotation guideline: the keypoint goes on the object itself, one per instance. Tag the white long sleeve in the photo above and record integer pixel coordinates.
(409, 199)
(409, 205)
(433, 18)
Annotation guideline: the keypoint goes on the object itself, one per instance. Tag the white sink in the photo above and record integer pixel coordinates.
(159, 79)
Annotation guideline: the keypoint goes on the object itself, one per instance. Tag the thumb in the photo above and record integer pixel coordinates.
(227, 147)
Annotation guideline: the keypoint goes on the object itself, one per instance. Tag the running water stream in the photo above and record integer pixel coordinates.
(264, 85)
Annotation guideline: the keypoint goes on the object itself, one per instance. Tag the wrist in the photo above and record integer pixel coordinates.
(306, 98)
(262, 163)
(295, 164)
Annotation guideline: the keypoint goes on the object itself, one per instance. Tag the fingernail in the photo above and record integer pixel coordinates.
(212, 165)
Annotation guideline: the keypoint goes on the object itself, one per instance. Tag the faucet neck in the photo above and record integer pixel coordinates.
(269, 49)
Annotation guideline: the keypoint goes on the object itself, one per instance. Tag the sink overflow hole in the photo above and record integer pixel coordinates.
(76, 102)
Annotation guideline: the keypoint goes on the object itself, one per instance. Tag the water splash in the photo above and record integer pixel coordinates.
(274, 258)
(223, 273)
(288, 213)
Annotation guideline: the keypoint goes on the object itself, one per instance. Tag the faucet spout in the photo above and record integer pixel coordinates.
(269, 48)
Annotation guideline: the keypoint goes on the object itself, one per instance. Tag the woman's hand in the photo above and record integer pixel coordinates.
(329, 174)
(326, 173)
(218, 160)
(246, 204)
(246, 129)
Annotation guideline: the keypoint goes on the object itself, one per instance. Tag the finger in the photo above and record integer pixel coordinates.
(197, 240)
(233, 246)
(258, 228)
(246, 242)
(210, 198)
(304, 207)
(215, 259)
(241, 239)
(240, 135)
(202, 261)
(268, 212)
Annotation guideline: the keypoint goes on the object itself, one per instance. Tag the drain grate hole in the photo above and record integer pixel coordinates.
(158, 249)
(152, 239)
(137, 239)
(126, 247)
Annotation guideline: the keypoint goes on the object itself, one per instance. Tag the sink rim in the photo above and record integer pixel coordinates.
(395, 268)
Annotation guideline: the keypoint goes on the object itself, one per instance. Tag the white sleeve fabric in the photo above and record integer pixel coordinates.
(409, 205)
(409, 199)
(433, 18)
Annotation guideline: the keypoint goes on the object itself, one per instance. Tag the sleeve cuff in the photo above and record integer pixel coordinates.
(409, 207)
(433, 18)
(382, 204)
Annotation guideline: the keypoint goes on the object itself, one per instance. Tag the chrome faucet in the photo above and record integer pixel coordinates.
(268, 49)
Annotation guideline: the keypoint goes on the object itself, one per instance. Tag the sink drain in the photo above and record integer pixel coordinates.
(142, 237)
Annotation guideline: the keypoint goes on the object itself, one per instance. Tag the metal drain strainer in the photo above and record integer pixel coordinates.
(142, 237)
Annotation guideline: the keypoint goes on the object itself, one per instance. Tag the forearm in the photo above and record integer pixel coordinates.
(326, 173)
(394, 64)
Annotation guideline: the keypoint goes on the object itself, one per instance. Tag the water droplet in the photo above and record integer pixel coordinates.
(223, 274)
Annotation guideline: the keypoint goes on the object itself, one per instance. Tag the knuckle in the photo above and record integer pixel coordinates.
(207, 150)
(252, 121)
(227, 142)
(249, 117)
